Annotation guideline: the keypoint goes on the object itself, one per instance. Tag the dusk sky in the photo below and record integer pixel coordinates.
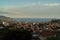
(30, 8)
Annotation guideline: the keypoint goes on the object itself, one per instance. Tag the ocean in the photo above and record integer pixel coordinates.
(33, 19)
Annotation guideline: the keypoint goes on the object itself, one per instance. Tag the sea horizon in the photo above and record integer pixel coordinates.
(33, 19)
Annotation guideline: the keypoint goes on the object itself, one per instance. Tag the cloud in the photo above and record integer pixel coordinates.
(38, 9)
(41, 4)
(52, 4)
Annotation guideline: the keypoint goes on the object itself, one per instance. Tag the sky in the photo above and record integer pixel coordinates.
(30, 8)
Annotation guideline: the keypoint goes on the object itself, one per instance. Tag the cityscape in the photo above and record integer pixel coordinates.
(39, 30)
(29, 19)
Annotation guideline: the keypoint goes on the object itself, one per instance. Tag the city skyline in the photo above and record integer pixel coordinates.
(30, 8)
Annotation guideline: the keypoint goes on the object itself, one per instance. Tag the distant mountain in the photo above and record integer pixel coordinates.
(3, 17)
(6, 18)
(56, 20)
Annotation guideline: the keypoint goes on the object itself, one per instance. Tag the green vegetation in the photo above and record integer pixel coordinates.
(58, 35)
(51, 38)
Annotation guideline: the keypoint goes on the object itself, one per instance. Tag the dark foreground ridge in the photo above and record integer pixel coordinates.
(17, 34)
